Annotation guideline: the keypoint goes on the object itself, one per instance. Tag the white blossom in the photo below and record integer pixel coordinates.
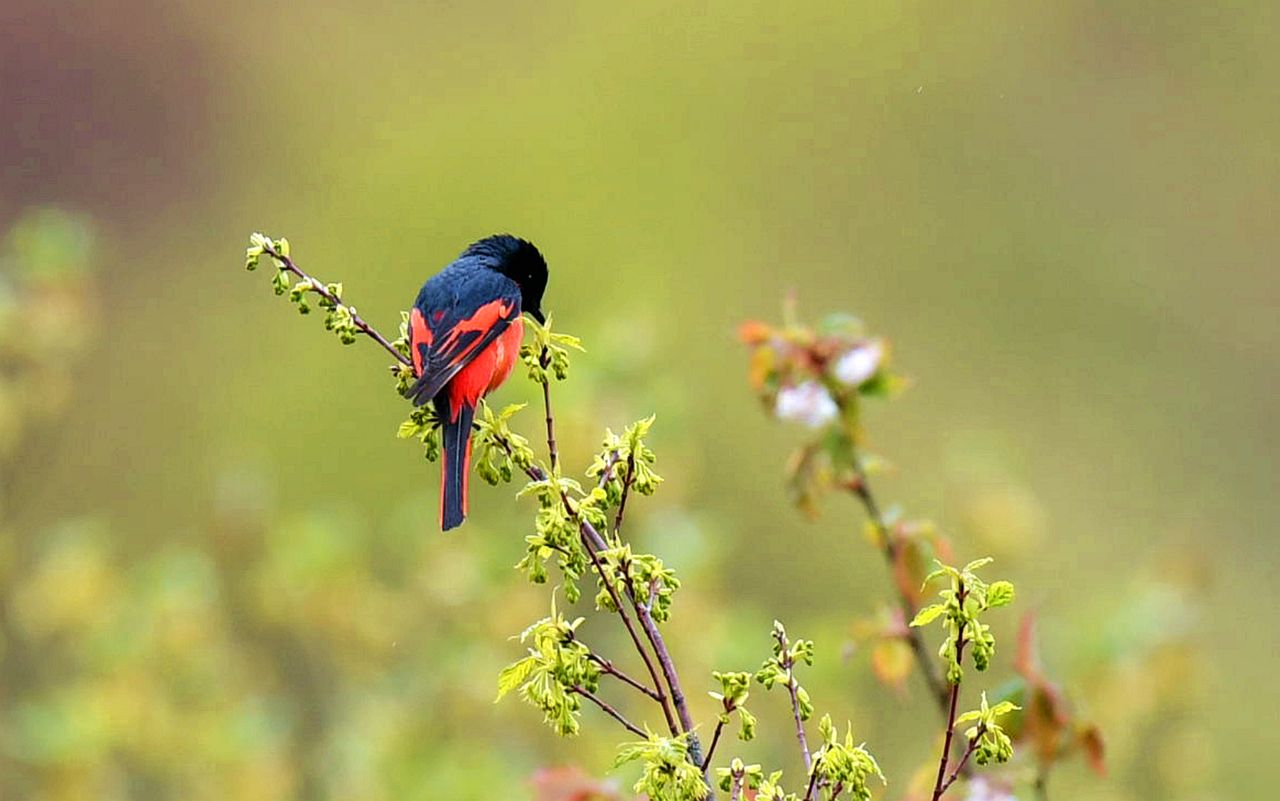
(856, 366)
(809, 404)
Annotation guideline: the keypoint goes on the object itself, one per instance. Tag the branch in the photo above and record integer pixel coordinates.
(923, 658)
(711, 750)
(789, 663)
(720, 727)
(626, 621)
(644, 614)
(607, 473)
(804, 745)
(611, 712)
(938, 786)
(594, 543)
(628, 477)
(735, 787)
(609, 668)
(323, 291)
(545, 360)
(813, 785)
(964, 760)
(668, 672)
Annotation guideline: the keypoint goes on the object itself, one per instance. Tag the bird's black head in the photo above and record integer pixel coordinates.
(518, 260)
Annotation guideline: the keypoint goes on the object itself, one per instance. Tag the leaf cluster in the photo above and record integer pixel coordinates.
(547, 354)
(840, 766)
(339, 317)
(626, 462)
(557, 532)
(739, 774)
(780, 667)
(964, 600)
(640, 575)
(667, 773)
(424, 425)
(556, 668)
(991, 742)
(735, 689)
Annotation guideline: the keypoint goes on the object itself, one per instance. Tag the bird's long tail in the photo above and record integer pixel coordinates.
(456, 436)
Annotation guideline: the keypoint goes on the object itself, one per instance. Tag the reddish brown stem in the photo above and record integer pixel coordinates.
(789, 663)
(553, 452)
(611, 712)
(964, 760)
(715, 740)
(630, 627)
(938, 786)
(609, 668)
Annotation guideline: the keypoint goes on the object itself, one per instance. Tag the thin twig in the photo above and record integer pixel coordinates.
(607, 473)
(790, 664)
(804, 744)
(610, 711)
(594, 542)
(611, 669)
(954, 700)
(644, 613)
(627, 479)
(544, 359)
(323, 291)
(964, 760)
(813, 779)
(711, 749)
(590, 535)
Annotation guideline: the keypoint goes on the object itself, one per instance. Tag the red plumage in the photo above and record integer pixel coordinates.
(464, 334)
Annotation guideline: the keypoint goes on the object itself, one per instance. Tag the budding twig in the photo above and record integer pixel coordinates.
(940, 785)
(715, 737)
(964, 760)
(789, 663)
(544, 359)
(323, 291)
(735, 787)
(594, 542)
(627, 479)
(611, 669)
(593, 545)
(643, 611)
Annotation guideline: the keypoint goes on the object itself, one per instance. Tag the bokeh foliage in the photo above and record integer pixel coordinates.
(1061, 212)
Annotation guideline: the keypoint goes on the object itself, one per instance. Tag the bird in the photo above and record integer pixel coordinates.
(465, 331)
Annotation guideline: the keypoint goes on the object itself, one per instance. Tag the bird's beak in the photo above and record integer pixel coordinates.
(537, 315)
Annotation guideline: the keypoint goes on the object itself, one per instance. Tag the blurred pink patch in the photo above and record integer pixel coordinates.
(571, 783)
(984, 789)
(857, 366)
(809, 404)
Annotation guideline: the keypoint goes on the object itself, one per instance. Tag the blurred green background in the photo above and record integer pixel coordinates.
(220, 574)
